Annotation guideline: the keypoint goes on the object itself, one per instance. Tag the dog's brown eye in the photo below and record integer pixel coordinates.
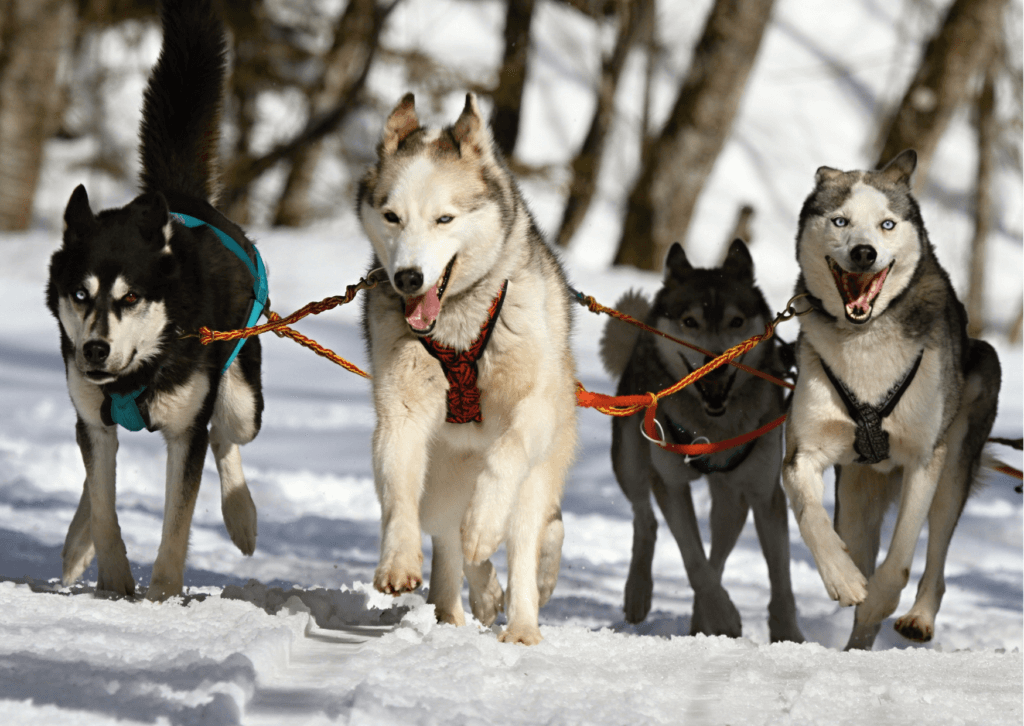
(690, 322)
(391, 217)
(130, 299)
(737, 322)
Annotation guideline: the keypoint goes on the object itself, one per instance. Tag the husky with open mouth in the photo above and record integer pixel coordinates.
(716, 309)
(125, 287)
(473, 376)
(891, 392)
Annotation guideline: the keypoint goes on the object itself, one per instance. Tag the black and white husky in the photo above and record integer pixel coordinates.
(715, 308)
(891, 392)
(126, 286)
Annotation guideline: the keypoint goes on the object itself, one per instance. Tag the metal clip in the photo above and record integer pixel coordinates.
(700, 439)
(661, 431)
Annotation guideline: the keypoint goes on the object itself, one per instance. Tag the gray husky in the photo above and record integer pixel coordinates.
(715, 309)
(473, 376)
(891, 392)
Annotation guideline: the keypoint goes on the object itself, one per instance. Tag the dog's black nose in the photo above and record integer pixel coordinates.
(408, 280)
(96, 351)
(863, 256)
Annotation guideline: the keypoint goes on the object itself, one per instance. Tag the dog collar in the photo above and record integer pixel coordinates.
(460, 367)
(123, 409)
(870, 441)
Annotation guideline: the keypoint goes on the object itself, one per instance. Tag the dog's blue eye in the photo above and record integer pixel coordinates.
(840, 221)
(391, 217)
(888, 225)
(445, 219)
(81, 295)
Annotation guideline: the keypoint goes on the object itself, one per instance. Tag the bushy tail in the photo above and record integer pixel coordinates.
(619, 338)
(181, 108)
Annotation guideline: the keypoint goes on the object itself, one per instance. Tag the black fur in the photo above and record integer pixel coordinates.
(199, 281)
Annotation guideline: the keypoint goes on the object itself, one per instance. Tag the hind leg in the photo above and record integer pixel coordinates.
(78, 547)
(966, 439)
(862, 497)
(446, 579)
(550, 557)
(235, 421)
(486, 598)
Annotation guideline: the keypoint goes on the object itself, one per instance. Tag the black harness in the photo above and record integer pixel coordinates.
(870, 441)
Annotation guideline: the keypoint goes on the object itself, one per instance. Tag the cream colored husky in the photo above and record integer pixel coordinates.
(473, 377)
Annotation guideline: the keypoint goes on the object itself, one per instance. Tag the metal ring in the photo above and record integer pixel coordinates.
(688, 458)
(660, 430)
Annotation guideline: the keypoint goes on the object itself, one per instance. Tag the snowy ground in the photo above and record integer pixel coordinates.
(237, 651)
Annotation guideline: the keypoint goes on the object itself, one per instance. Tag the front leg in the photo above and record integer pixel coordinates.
(485, 522)
(919, 484)
(802, 480)
(97, 516)
(400, 458)
(185, 454)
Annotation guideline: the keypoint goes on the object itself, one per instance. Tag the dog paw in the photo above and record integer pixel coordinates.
(161, 589)
(399, 574)
(240, 519)
(489, 600)
(843, 580)
(480, 539)
(637, 600)
(526, 635)
(915, 627)
(457, 618)
(714, 614)
(115, 575)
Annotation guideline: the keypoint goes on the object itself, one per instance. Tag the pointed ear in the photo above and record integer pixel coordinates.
(826, 174)
(78, 216)
(470, 131)
(153, 217)
(402, 122)
(676, 263)
(901, 168)
(738, 262)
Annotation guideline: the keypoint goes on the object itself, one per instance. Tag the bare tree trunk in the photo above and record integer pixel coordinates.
(988, 128)
(508, 96)
(957, 53)
(245, 169)
(34, 34)
(675, 168)
(350, 54)
(586, 167)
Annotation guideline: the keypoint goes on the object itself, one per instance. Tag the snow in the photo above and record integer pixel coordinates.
(294, 634)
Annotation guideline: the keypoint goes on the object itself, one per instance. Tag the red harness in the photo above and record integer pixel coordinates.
(460, 367)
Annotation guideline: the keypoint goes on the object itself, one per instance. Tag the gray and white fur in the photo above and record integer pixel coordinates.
(885, 318)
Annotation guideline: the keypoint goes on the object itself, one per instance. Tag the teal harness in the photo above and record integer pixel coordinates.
(124, 407)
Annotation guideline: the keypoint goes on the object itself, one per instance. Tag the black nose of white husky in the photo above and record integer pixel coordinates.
(863, 256)
(409, 280)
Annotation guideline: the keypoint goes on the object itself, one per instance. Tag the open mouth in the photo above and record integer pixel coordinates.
(858, 290)
(713, 388)
(422, 311)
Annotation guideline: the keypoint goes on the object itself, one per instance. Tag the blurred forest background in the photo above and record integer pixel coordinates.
(302, 121)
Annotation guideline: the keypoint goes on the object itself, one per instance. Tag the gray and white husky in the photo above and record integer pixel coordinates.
(473, 376)
(714, 309)
(891, 392)
(127, 283)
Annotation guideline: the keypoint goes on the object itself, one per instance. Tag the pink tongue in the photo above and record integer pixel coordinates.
(421, 311)
(862, 289)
